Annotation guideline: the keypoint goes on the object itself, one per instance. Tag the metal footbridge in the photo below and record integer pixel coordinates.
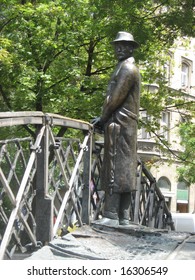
(49, 181)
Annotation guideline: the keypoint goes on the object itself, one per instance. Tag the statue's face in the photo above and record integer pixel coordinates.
(123, 50)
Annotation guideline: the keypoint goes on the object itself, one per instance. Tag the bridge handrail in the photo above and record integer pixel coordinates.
(36, 117)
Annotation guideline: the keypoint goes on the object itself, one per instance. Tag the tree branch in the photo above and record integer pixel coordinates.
(7, 22)
(5, 98)
(168, 148)
(58, 82)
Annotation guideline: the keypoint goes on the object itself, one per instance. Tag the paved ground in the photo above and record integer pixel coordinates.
(122, 243)
(185, 250)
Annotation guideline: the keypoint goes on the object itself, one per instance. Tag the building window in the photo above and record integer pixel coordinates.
(165, 125)
(182, 197)
(184, 75)
(165, 186)
(167, 72)
(167, 69)
(143, 133)
(182, 186)
(186, 67)
(164, 183)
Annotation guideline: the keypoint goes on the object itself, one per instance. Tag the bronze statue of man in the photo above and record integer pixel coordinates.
(120, 120)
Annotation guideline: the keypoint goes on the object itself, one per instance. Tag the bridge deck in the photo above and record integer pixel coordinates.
(122, 243)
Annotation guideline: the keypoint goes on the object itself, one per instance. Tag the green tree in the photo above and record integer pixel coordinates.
(56, 55)
(187, 157)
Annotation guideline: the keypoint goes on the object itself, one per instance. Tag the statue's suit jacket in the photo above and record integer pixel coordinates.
(120, 117)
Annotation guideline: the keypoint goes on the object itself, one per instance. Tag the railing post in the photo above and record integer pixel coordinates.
(86, 183)
(44, 205)
(151, 214)
(137, 194)
(160, 213)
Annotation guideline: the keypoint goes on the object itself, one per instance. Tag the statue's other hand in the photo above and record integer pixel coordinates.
(97, 123)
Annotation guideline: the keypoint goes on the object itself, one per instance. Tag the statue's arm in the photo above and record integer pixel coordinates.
(116, 98)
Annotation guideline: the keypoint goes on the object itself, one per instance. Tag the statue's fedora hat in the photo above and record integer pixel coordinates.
(127, 37)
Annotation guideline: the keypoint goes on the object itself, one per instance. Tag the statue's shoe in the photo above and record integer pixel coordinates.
(124, 222)
(107, 222)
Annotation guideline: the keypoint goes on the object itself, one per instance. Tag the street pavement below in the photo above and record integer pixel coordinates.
(133, 242)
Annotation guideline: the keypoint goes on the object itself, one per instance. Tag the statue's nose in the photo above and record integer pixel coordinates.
(118, 48)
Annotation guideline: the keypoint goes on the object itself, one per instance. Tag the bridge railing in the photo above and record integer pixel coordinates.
(44, 178)
(49, 167)
(150, 208)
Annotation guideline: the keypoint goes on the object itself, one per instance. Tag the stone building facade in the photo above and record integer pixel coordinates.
(180, 73)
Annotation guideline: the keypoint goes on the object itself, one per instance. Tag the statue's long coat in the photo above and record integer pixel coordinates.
(120, 116)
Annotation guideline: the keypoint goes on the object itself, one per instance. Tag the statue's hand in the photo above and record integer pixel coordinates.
(97, 123)
(95, 120)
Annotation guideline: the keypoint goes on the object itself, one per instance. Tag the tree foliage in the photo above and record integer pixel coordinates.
(187, 132)
(56, 56)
